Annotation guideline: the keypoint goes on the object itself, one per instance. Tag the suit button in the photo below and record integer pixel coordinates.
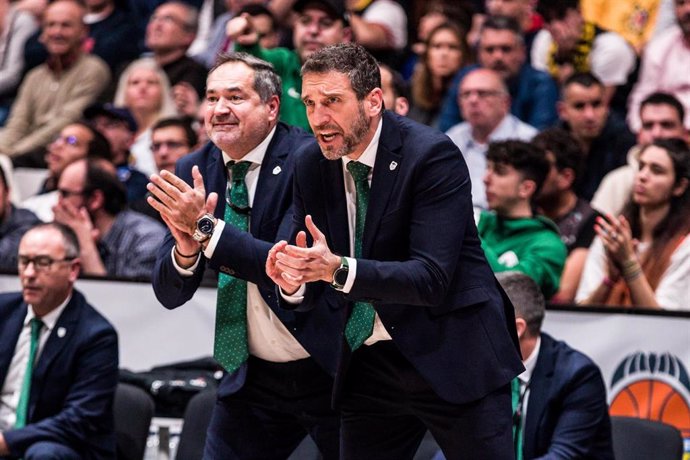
(227, 270)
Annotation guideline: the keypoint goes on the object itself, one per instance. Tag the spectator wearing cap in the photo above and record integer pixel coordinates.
(114, 241)
(75, 141)
(485, 102)
(319, 23)
(118, 126)
(54, 94)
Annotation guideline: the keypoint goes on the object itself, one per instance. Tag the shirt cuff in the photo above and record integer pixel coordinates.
(295, 298)
(184, 271)
(215, 237)
(351, 275)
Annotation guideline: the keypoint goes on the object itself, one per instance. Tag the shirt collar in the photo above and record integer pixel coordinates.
(368, 157)
(50, 319)
(530, 363)
(257, 154)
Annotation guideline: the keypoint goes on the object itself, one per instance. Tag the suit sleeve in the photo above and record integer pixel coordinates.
(90, 396)
(582, 410)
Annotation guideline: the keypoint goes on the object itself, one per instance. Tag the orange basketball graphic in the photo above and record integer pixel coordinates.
(654, 400)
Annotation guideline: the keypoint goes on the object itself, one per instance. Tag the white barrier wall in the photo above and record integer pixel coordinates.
(644, 358)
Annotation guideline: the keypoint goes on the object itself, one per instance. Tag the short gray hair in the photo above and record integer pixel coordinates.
(526, 297)
(69, 238)
(267, 82)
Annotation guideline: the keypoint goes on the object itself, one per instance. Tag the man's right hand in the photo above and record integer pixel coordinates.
(241, 30)
(285, 282)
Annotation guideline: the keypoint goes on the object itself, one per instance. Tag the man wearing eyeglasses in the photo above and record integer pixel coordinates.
(485, 103)
(74, 142)
(114, 240)
(58, 357)
(502, 49)
(225, 206)
(55, 93)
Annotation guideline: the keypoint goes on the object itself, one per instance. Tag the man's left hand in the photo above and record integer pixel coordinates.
(304, 264)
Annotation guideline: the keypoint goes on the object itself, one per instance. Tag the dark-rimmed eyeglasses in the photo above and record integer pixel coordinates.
(40, 262)
(69, 140)
(64, 193)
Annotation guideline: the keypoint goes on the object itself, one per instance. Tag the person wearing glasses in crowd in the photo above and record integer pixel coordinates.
(55, 93)
(114, 241)
(13, 223)
(58, 357)
(485, 103)
(75, 141)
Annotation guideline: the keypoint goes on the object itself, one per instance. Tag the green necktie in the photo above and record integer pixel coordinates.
(23, 404)
(360, 325)
(230, 347)
(517, 399)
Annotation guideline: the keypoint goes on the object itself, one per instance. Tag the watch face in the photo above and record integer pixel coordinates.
(340, 276)
(205, 225)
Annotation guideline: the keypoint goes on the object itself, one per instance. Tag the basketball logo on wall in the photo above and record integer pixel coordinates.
(654, 387)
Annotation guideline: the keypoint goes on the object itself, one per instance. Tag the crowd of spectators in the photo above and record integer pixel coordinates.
(572, 79)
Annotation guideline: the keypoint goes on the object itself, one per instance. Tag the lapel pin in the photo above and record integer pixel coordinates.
(393, 165)
(276, 170)
(61, 332)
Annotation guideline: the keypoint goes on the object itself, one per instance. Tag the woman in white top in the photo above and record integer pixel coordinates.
(642, 258)
(144, 89)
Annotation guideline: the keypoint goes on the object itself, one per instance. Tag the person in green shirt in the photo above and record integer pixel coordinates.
(319, 23)
(513, 236)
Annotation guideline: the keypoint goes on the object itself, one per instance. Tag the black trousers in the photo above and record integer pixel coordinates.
(279, 404)
(387, 407)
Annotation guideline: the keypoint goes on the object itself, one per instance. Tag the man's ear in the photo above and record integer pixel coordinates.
(95, 201)
(373, 102)
(402, 106)
(527, 188)
(521, 326)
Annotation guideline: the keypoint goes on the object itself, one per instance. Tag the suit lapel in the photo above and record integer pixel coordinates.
(386, 169)
(539, 384)
(270, 175)
(59, 336)
(216, 179)
(335, 205)
(11, 329)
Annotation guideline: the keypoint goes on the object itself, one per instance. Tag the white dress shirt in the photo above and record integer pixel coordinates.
(530, 364)
(267, 336)
(12, 387)
(368, 158)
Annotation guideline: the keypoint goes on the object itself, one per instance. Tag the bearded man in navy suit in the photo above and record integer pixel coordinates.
(429, 341)
(58, 404)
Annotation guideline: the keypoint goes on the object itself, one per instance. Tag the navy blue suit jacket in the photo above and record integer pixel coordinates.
(422, 265)
(567, 414)
(243, 254)
(73, 384)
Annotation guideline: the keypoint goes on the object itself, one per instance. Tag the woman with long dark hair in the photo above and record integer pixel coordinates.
(642, 258)
(445, 52)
